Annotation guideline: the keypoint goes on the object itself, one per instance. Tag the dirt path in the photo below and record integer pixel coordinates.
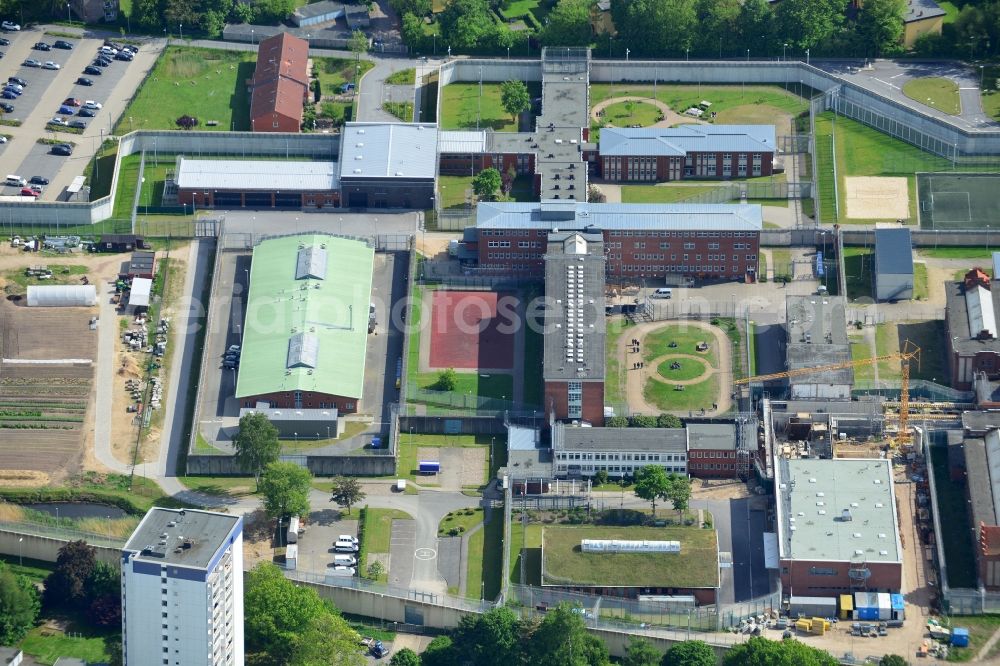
(670, 117)
(636, 379)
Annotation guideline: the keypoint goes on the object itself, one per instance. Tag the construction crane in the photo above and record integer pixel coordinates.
(907, 353)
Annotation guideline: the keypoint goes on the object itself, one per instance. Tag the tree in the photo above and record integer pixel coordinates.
(106, 610)
(447, 380)
(679, 493)
(346, 492)
(806, 24)
(19, 606)
(880, 25)
(562, 639)
(595, 195)
(405, 657)
(892, 660)
(569, 24)
(274, 11)
(617, 422)
(256, 444)
(514, 97)
(642, 421)
(359, 44)
(291, 623)
(651, 484)
(285, 487)
(103, 586)
(439, 652)
(668, 421)
(601, 477)
(640, 652)
(491, 639)
(689, 653)
(760, 651)
(466, 24)
(375, 570)
(486, 184)
(66, 586)
(629, 107)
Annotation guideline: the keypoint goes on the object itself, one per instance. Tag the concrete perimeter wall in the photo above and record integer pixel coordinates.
(17, 543)
(223, 465)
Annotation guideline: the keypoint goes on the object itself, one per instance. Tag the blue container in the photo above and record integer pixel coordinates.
(867, 613)
(960, 637)
(429, 467)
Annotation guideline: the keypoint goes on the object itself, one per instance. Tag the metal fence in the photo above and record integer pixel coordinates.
(920, 389)
(60, 532)
(448, 401)
(452, 220)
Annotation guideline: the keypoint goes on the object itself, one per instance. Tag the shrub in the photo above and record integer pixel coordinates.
(187, 122)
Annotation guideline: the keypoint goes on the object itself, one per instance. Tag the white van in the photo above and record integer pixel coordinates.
(345, 547)
(16, 181)
(344, 561)
(340, 571)
(663, 292)
(293, 530)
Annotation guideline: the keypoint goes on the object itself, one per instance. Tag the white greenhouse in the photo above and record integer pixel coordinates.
(68, 295)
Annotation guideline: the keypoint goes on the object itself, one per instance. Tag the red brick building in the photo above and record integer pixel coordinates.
(302, 400)
(714, 451)
(573, 354)
(659, 154)
(837, 528)
(972, 338)
(640, 240)
(279, 88)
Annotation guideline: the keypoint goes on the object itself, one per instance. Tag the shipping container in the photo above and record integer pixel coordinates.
(960, 637)
(884, 606)
(898, 607)
(429, 467)
(846, 607)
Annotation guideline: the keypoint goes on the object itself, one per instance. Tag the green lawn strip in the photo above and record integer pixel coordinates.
(485, 560)
(128, 181)
(752, 341)
(209, 84)
(973, 252)
(887, 342)
(416, 325)
(936, 92)
(461, 520)
(334, 72)
(762, 266)
(920, 281)
(657, 343)
(35, 570)
(403, 77)
(351, 429)
(693, 397)
(980, 627)
(782, 260)
(46, 645)
(681, 97)
(462, 106)
(100, 488)
(955, 525)
(538, 8)
(402, 110)
(695, 566)
(861, 350)
(529, 538)
(663, 193)
(494, 385)
(991, 91)
(225, 486)
(455, 191)
(409, 444)
(773, 203)
(614, 391)
(366, 627)
(859, 267)
(376, 532)
(824, 165)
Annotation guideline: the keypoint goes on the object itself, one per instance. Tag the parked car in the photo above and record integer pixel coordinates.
(10, 26)
(13, 91)
(28, 192)
(19, 81)
(131, 47)
(41, 46)
(62, 44)
(125, 56)
(101, 62)
(48, 64)
(93, 71)
(31, 62)
(72, 101)
(7, 108)
(4, 41)
(3, 139)
(57, 121)
(66, 110)
(86, 113)
(78, 124)
(36, 188)
(108, 50)
(63, 149)
(91, 104)
(39, 180)
(14, 86)
(8, 94)
(84, 81)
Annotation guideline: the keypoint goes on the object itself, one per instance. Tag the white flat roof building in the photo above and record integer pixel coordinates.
(267, 175)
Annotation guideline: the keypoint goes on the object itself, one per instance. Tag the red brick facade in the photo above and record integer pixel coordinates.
(700, 166)
(557, 401)
(463, 164)
(257, 200)
(308, 400)
(713, 464)
(820, 578)
(632, 253)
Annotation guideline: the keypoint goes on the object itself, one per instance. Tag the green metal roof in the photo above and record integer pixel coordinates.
(307, 334)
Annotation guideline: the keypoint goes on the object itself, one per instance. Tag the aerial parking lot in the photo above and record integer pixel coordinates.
(39, 99)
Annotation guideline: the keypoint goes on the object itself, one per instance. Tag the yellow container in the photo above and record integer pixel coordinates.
(846, 606)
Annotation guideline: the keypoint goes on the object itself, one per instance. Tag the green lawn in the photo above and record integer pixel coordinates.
(973, 252)
(991, 91)
(687, 337)
(614, 391)
(35, 570)
(462, 519)
(695, 566)
(859, 267)
(376, 531)
(456, 191)
(495, 385)
(226, 486)
(933, 364)
(527, 538)
(403, 77)
(410, 443)
(642, 113)
(687, 369)
(485, 560)
(782, 259)
(693, 397)
(334, 72)
(662, 193)
(681, 97)
(61, 274)
(954, 519)
(538, 8)
(862, 373)
(208, 84)
(461, 107)
(46, 645)
(920, 281)
(936, 92)
(752, 341)
(402, 110)
(980, 627)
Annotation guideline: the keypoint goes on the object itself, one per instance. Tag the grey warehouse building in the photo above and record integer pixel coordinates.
(893, 265)
(388, 165)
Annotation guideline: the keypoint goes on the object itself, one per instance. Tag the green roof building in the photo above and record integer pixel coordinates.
(306, 326)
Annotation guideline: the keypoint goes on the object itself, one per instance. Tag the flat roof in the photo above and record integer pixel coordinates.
(957, 315)
(567, 215)
(462, 141)
(389, 150)
(267, 175)
(321, 8)
(574, 438)
(138, 295)
(207, 532)
(817, 335)
(687, 138)
(893, 252)
(812, 497)
(306, 334)
(982, 490)
(575, 324)
(720, 436)
(695, 566)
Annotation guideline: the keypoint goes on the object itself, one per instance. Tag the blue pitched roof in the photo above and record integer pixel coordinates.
(678, 141)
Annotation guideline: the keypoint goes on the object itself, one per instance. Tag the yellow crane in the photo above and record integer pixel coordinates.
(907, 353)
